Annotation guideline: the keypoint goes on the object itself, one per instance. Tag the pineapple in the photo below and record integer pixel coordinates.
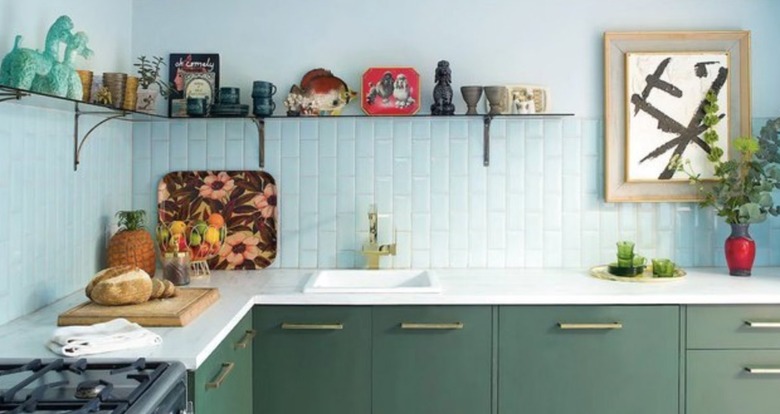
(132, 244)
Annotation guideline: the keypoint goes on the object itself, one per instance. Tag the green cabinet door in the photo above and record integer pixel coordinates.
(588, 359)
(432, 360)
(312, 360)
(223, 383)
(732, 381)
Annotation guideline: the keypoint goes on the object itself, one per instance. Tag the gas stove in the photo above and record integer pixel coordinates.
(79, 386)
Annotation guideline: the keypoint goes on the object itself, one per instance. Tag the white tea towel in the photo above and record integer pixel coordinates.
(114, 335)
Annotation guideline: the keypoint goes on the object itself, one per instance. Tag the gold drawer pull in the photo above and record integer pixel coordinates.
(763, 371)
(590, 326)
(763, 325)
(313, 326)
(246, 340)
(439, 326)
(223, 374)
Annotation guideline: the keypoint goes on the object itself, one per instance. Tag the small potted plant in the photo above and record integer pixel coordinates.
(150, 84)
(741, 189)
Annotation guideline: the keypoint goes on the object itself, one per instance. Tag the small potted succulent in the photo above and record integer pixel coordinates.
(741, 189)
(150, 84)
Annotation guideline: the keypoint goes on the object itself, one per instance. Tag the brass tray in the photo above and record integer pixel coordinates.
(601, 272)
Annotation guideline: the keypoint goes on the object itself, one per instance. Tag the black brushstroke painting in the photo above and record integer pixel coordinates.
(685, 135)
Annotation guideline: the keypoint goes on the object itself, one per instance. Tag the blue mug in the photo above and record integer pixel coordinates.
(263, 107)
(263, 89)
(197, 106)
(229, 96)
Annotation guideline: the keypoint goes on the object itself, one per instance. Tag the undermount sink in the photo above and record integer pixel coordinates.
(372, 281)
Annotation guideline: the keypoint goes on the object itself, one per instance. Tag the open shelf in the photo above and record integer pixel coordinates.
(109, 113)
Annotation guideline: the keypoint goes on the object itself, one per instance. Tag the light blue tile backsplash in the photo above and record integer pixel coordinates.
(53, 220)
(538, 204)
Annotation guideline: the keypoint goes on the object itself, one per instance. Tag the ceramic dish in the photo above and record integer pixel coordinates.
(602, 272)
(625, 271)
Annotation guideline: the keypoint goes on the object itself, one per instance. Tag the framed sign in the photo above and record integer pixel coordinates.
(390, 91)
(655, 85)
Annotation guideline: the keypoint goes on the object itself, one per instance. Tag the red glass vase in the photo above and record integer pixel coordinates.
(740, 250)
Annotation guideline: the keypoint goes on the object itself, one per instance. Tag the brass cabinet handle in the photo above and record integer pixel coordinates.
(313, 326)
(763, 371)
(248, 336)
(227, 367)
(763, 325)
(590, 326)
(432, 326)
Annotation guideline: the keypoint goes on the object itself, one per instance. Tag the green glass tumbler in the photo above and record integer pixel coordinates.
(663, 268)
(625, 253)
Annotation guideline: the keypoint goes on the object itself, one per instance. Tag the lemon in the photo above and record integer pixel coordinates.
(212, 235)
(178, 227)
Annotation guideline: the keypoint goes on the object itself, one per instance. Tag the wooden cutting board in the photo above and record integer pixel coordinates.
(176, 311)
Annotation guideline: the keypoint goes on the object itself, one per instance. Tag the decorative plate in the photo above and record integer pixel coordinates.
(390, 91)
(246, 202)
(602, 272)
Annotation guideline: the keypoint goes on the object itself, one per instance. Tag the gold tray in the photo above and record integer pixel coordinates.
(601, 272)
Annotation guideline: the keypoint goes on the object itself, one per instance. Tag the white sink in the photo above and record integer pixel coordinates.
(372, 281)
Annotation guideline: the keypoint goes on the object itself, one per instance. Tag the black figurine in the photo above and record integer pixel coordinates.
(442, 92)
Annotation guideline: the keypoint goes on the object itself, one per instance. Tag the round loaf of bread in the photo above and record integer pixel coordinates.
(120, 285)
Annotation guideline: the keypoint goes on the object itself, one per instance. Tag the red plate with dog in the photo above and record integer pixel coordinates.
(390, 91)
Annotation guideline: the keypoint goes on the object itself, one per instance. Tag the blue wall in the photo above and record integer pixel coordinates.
(539, 204)
(52, 220)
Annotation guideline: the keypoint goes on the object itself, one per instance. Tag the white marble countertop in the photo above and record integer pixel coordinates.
(25, 338)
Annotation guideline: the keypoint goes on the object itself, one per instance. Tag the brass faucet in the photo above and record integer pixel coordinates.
(373, 250)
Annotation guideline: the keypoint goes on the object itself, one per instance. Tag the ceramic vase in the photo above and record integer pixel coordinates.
(495, 96)
(471, 95)
(740, 250)
(146, 100)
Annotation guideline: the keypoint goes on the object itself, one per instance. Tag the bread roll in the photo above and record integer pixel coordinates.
(170, 289)
(158, 289)
(120, 285)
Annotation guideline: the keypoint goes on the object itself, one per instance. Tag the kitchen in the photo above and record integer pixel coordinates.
(448, 211)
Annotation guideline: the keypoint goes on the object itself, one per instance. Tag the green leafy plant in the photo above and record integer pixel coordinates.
(131, 220)
(149, 74)
(742, 188)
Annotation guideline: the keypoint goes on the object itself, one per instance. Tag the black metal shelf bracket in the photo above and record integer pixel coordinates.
(11, 95)
(260, 124)
(486, 140)
(78, 144)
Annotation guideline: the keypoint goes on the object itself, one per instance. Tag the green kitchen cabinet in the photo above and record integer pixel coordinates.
(432, 359)
(732, 359)
(223, 383)
(312, 360)
(732, 381)
(588, 359)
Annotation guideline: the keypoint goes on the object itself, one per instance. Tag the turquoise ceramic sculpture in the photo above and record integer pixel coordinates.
(25, 68)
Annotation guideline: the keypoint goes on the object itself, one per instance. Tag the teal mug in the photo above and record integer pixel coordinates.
(263, 89)
(263, 107)
(197, 107)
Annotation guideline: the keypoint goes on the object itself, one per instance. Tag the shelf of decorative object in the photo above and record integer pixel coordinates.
(110, 113)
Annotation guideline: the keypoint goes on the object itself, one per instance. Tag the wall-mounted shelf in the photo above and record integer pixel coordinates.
(109, 113)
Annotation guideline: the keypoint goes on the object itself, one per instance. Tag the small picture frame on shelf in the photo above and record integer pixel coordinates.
(524, 100)
(390, 91)
(197, 73)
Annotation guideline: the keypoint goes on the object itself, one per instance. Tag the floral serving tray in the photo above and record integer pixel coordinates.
(602, 272)
(246, 201)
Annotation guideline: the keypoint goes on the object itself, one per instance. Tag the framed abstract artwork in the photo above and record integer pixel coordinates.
(655, 88)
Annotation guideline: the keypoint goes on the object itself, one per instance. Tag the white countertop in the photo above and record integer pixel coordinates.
(25, 338)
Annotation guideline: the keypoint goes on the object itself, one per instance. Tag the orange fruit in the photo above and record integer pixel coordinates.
(216, 220)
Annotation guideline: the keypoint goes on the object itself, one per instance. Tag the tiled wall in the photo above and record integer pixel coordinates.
(538, 204)
(53, 220)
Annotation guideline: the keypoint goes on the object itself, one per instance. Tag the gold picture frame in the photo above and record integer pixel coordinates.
(617, 45)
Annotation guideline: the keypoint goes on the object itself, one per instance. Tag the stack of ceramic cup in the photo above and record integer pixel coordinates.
(229, 103)
(115, 82)
(131, 96)
(86, 84)
(262, 98)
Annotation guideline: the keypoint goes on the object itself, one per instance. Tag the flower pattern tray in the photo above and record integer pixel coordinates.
(247, 200)
(601, 272)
